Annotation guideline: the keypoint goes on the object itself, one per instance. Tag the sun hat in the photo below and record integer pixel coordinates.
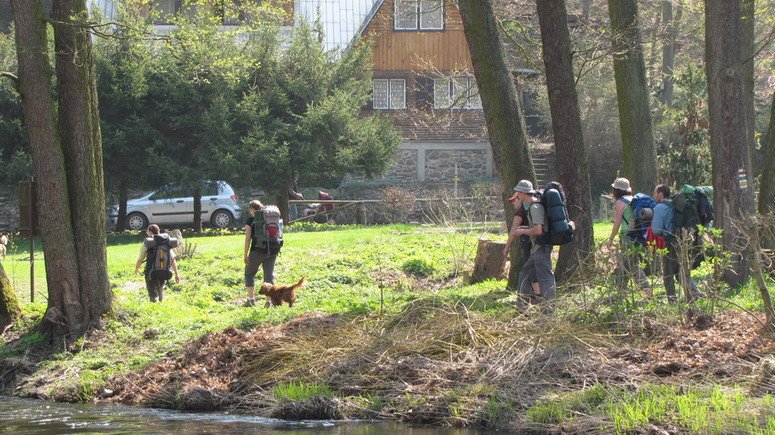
(524, 186)
(621, 183)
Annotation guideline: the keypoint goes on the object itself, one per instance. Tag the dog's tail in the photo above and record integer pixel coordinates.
(301, 282)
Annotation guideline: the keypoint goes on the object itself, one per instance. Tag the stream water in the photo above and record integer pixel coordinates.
(26, 416)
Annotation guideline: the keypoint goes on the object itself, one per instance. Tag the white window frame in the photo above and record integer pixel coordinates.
(395, 94)
(419, 6)
(438, 5)
(456, 93)
(398, 13)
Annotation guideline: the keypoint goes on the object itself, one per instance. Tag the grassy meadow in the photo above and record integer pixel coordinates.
(407, 338)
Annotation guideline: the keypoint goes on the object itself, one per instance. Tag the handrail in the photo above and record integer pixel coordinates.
(356, 201)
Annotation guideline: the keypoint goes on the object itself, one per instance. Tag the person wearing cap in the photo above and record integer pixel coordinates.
(630, 260)
(520, 215)
(538, 266)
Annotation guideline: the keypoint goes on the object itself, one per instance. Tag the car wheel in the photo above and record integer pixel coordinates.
(222, 219)
(136, 221)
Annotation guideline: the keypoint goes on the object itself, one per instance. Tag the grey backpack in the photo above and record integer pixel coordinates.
(159, 256)
(268, 230)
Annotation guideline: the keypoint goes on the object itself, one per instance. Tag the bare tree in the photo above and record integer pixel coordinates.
(767, 187)
(66, 156)
(640, 157)
(732, 178)
(671, 21)
(747, 47)
(572, 163)
(502, 112)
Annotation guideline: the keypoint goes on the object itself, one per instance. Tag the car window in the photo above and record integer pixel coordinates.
(210, 188)
(170, 192)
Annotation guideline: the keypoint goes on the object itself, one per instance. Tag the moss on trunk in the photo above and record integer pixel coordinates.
(9, 302)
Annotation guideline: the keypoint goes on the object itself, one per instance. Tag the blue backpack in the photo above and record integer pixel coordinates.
(643, 209)
(559, 228)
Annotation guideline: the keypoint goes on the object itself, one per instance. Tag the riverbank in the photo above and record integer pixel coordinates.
(388, 329)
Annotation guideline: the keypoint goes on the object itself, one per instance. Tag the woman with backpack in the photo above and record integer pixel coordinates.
(153, 283)
(257, 253)
(630, 259)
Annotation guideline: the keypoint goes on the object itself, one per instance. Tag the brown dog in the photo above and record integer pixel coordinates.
(281, 293)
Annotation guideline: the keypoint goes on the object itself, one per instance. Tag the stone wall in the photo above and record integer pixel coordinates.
(435, 162)
(446, 165)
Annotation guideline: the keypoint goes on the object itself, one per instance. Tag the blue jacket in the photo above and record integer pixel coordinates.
(662, 222)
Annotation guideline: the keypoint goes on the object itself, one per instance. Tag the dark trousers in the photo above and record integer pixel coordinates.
(256, 259)
(155, 289)
(670, 268)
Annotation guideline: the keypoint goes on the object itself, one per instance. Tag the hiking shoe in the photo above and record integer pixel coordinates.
(250, 302)
(267, 304)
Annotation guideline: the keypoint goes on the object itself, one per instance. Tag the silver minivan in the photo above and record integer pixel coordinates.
(173, 205)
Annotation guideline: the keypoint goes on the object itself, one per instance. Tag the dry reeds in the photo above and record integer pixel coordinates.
(434, 362)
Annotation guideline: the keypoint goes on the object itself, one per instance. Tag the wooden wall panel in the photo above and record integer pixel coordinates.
(445, 50)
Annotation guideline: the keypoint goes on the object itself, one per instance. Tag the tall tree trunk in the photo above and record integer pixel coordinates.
(767, 188)
(9, 302)
(733, 200)
(63, 314)
(640, 157)
(502, 112)
(80, 129)
(283, 204)
(668, 51)
(572, 162)
(123, 197)
(747, 46)
(197, 209)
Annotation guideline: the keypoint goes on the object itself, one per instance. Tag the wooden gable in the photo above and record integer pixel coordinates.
(418, 50)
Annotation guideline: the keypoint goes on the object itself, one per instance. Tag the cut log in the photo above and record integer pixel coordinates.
(489, 262)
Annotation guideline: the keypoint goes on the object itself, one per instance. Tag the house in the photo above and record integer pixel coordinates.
(423, 79)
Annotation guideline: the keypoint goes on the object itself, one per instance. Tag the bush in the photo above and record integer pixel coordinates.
(418, 267)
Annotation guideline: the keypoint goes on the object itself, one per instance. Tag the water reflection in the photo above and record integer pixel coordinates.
(24, 416)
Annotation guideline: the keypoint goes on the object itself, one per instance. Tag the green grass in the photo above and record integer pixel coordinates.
(295, 391)
(694, 409)
(343, 268)
(351, 271)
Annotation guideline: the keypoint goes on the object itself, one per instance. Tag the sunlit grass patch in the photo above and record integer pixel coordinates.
(295, 391)
(562, 408)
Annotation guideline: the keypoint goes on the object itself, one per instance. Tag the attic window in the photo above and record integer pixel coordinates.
(418, 15)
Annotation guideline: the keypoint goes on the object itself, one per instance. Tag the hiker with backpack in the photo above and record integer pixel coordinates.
(538, 266)
(159, 258)
(691, 210)
(662, 226)
(626, 227)
(263, 240)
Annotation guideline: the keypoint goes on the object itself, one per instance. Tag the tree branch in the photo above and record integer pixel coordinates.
(13, 77)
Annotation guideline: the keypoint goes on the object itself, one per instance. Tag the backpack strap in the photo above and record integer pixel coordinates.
(628, 202)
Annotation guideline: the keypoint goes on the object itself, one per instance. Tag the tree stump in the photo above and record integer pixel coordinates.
(489, 262)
